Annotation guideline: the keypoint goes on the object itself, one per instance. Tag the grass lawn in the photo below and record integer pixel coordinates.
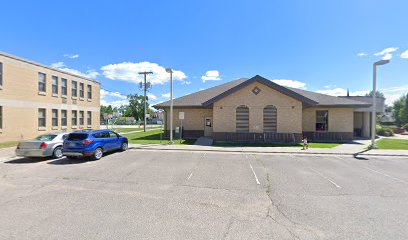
(8, 144)
(387, 143)
(153, 137)
(311, 145)
(120, 130)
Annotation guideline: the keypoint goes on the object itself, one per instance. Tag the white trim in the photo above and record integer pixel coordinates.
(42, 93)
(42, 128)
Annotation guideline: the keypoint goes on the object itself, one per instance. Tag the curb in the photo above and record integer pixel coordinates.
(276, 152)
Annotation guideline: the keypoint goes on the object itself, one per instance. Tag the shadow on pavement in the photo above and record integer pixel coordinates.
(66, 161)
(355, 155)
(28, 160)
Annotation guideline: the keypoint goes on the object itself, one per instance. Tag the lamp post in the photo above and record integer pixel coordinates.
(169, 70)
(374, 106)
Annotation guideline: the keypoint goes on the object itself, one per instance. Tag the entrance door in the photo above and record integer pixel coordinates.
(208, 127)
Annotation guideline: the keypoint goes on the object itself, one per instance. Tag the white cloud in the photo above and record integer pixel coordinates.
(72, 56)
(88, 74)
(391, 98)
(212, 75)
(361, 54)
(118, 95)
(386, 51)
(185, 83)
(342, 92)
(391, 94)
(151, 96)
(116, 103)
(129, 71)
(334, 92)
(58, 65)
(166, 95)
(404, 54)
(290, 83)
(105, 93)
(387, 56)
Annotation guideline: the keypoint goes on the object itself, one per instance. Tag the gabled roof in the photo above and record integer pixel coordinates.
(205, 98)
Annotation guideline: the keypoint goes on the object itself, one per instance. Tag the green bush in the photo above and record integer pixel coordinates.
(384, 131)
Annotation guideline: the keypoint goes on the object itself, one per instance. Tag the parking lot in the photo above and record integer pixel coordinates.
(141, 194)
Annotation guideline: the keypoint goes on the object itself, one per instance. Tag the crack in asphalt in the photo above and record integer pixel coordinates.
(231, 221)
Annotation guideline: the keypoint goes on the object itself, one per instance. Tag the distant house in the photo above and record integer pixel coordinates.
(258, 110)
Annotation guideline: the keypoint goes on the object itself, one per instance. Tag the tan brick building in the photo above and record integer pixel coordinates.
(36, 99)
(258, 110)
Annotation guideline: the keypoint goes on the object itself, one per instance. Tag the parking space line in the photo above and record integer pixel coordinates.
(328, 179)
(256, 178)
(386, 175)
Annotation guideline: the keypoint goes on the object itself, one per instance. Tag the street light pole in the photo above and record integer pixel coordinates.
(374, 106)
(169, 70)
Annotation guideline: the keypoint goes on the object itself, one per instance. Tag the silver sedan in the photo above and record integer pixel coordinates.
(46, 145)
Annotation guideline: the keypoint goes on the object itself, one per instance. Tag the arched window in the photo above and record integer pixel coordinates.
(270, 118)
(242, 119)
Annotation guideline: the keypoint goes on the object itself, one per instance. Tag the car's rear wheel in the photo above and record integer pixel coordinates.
(124, 146)
(98, 153)
(57, 152)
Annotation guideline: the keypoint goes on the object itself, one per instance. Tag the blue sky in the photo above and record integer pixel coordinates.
(314, 45)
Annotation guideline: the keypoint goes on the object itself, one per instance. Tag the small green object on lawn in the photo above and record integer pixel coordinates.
(396, 144)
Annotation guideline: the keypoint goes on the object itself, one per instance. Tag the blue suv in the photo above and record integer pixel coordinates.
(93, 143)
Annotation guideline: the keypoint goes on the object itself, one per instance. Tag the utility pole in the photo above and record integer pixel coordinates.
(145, 102)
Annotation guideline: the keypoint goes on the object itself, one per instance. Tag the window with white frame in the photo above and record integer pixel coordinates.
(63, 118)
(41, 117)
(63, 87)
(1, 74)
(89, 118)
(81, 90)
(81, 118)
(55, 117)
(74, 88)
(41, 82)
(89, 91)
(54, 85)
(74, 118)
(1, 117)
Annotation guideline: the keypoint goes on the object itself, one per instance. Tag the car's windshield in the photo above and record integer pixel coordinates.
(77, 136)
(46, 137)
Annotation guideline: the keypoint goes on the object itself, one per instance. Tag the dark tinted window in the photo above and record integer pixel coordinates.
(77, 136)
(113, 135)
(98, 135)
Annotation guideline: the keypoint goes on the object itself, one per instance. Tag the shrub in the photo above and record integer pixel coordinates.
(384, 131)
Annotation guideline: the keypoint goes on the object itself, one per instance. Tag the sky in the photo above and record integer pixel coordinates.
(317, 45)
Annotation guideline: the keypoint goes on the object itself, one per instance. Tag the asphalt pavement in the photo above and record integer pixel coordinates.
(142, 194)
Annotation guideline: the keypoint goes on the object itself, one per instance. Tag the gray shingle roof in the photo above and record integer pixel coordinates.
(207, 97)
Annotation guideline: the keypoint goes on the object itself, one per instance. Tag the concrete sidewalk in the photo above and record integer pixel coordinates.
(344, 149)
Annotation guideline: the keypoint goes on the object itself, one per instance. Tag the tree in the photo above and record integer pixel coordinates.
(400, 110)
(136, 104)
(377, 94)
